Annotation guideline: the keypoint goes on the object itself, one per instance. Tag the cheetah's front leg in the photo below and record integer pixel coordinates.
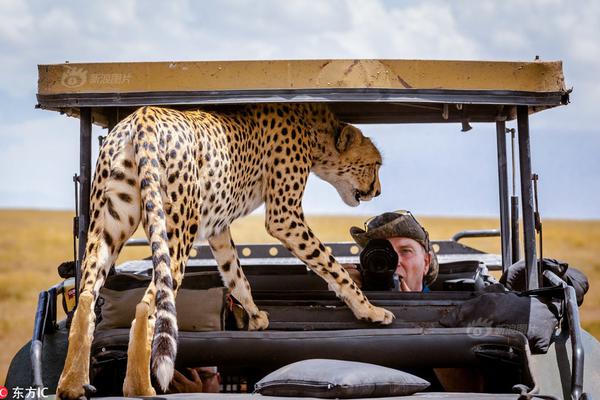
(223, 250)
(295, 234)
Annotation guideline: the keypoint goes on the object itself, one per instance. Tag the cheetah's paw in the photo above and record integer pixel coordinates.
(75, 392)
(380, 315)
(258, 321)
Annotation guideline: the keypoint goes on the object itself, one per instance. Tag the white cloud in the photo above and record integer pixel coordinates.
(16, 23)
(511, 40)
(420, 31)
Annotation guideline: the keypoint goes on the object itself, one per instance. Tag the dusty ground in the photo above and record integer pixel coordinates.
(34, 243)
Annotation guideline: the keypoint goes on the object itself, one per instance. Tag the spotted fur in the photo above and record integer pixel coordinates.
(187, 176)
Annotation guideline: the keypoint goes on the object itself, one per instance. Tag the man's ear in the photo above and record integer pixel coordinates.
(348, 136)
(427, 262)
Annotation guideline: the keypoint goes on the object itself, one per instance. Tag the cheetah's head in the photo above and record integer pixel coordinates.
(352, 166)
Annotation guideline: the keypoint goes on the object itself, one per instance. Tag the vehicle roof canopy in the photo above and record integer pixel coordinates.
(359, 91)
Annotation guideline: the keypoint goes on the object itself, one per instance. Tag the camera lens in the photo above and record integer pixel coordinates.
(378, 260)
(378, 263)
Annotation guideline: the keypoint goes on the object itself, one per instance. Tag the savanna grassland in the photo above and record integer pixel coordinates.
(34, 243)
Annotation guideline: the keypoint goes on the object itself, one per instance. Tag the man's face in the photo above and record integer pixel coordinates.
(413, 263)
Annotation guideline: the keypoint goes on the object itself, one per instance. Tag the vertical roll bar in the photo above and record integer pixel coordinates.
(514, 228)
(514, 205)
(503, 192)
(85, 183)
(533, 276)
(113, 118)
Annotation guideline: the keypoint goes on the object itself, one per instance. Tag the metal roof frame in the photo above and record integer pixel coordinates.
(367, 91)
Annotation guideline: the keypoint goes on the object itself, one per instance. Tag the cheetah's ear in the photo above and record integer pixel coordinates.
(347, 137)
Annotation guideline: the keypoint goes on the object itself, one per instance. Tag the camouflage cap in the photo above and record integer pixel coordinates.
(397, 224)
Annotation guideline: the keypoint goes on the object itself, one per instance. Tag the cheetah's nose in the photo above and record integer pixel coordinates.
(377, 193)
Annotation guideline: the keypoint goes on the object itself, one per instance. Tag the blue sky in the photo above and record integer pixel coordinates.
(430, 169)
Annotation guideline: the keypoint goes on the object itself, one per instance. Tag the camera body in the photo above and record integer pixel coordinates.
(378, 261)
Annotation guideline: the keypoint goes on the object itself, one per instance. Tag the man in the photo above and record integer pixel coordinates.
(417, 262)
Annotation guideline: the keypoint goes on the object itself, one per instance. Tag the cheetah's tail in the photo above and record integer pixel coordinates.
(164, 345)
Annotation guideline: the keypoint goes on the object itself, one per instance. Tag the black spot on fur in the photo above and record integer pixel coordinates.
(108, 239)
(125, 197)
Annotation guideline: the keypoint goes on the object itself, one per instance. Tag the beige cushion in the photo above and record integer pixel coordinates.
(197, 310)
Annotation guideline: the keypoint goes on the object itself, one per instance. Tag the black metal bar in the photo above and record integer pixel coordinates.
(301, 95)
(476, 233)
(514, 229)
(38, 325)
(554, 279)
(514, 203)
(35, 351)
(533, 275)
(76, 217)
(85, 183)
(51, 310)
(503, 193)
(576, 343)
(113, 118)
(574, 325)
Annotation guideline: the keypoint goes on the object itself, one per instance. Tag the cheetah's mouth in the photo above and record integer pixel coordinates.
(350, 196)
(358, 195)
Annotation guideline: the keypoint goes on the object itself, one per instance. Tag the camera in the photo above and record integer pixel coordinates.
(378, 262)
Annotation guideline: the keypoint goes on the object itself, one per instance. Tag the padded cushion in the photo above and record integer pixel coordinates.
(514, 277)
(529, 315)
(197, 309)
(329, 379)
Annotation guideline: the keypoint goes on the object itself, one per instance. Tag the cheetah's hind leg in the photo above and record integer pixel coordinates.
(101, 253)
(115, 215)
(137, 379)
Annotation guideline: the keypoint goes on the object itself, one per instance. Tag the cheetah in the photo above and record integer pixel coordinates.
(186, 175)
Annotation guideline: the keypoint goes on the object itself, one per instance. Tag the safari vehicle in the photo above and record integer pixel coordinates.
(306, 320)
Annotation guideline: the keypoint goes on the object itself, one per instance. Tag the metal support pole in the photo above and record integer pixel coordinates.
(85, 183)
(514, 229)
(574, 333)
(514, 203)
(503, 192)
(113, 118)
(533, 276)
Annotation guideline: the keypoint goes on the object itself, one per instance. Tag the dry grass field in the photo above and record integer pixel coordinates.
(34, 243)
